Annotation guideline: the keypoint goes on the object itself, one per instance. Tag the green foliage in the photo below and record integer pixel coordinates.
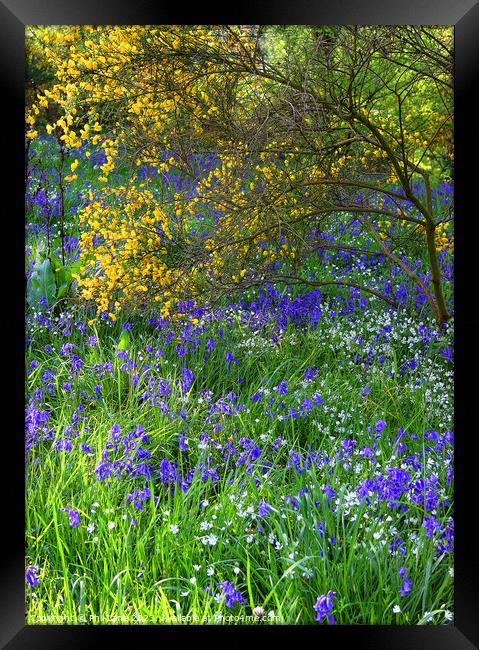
(50, 279)
(41, 284)
(124, 342)
(142, 573)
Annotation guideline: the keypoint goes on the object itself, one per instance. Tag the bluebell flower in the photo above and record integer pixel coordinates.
(306, 406)
(264, 508)
(447, 354)
(229, 358)
(142, 454)
(380, 426)
(103, 470)
(401, 448)
(31, 577)
(323, 606)
(397, 546)
(329, 492)
(447, 538)
(115, 431)
(406, 586)
(281, 388)
(431, 524)
(210, 344)
(47, 376)
(73, 516)
(349, 445)
(81, 328)
(76, 363)
(66, 349)
(367, 451)
(292, 501)
(64, 444)
(310, 373)
(232, 595)
(276, 444)
(187, 378)
(167, 471)
(181, 351)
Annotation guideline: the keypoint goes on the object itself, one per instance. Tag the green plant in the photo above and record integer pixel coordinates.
(50, 279)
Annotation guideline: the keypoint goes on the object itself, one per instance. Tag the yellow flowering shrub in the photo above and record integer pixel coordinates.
(250, 161)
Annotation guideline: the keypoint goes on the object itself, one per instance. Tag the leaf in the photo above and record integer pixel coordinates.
(41, 284)
(63, 289)
(124, 343)
(75, 267)
(61, 273)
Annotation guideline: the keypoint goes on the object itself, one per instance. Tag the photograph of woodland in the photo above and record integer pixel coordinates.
(239, 324)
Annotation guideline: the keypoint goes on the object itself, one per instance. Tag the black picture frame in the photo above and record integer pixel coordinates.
(464, 15)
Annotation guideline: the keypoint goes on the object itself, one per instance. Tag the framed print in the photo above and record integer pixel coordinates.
(244, 323)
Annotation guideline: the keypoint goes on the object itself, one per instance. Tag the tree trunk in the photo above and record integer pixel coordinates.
(442, 315)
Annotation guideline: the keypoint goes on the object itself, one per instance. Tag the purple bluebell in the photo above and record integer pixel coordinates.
(31, 577)
(431, 525)
(323, 606)
(264, 508)
(232, 595)
(282, 387)
(406, 586)
(186, 380)
(210, 345)
(310, 373)
(73, 516)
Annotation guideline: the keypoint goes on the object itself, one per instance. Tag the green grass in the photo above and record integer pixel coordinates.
(143, 572)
